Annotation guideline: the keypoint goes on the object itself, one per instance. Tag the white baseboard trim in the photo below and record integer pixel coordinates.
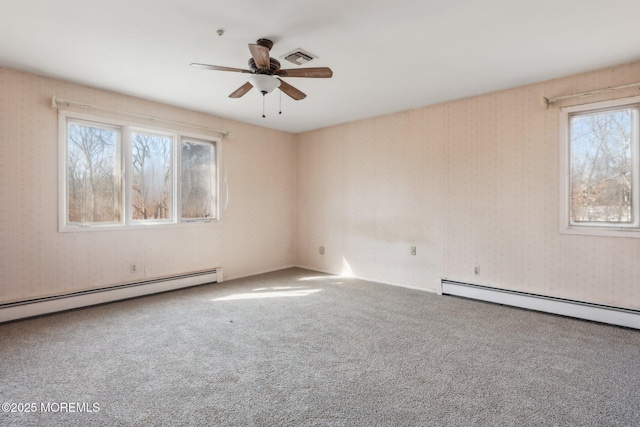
(40, 306)
(582, 310)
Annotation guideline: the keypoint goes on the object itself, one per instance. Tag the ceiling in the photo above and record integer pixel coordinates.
(387, 56)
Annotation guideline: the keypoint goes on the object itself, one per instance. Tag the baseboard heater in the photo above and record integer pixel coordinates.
(51, 304)
(596, 312)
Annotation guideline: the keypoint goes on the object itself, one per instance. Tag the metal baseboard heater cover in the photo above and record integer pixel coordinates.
(39, 306)
(582, 310)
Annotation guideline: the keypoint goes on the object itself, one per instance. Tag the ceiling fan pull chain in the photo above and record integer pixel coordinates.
(280, 103)
(263, 116)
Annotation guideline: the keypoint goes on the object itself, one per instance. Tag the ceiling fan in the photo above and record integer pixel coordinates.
(265, 72)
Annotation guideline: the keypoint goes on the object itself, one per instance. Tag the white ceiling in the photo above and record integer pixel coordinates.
(386, 56)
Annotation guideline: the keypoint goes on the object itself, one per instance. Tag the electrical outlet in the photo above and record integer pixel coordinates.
(413, 250)
(321, 250)
(133, 268)
(476, 269)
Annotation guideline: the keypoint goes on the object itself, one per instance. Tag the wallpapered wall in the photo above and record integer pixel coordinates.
(255, 233)
(472, 182)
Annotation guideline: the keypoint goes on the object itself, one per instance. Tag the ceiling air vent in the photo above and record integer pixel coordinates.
(299, 57)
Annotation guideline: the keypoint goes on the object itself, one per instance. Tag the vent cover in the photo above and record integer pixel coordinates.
(299, 57)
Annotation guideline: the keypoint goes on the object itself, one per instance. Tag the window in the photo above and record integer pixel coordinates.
(198, 180)
(151, 176)
(117, 175)
(92, 174)
(599, 161)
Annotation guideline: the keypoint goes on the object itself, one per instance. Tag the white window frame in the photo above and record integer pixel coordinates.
(597, 229)
(125, 170)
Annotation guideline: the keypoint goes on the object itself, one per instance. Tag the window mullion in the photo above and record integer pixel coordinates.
(174, 196)
(635, 168)
(178, 179)
(127, 174)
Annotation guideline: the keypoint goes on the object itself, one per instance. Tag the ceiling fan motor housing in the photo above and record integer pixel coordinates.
(274, 65)
(266, 43)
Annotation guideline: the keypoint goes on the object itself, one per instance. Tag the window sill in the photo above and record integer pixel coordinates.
(133, 227)
(600, 231)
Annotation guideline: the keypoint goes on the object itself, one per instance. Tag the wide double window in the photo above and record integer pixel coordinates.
(601, 180)
(119, 175)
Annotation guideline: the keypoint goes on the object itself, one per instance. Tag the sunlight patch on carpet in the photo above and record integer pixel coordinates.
(269, 294)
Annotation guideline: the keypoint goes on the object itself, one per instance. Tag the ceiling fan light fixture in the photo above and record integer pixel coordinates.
(264, 83)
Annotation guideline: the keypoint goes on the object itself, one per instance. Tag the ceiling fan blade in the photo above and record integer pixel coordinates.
(218, 68)
(260, 54)
(291, 91)
(241, 90)
(318, 72)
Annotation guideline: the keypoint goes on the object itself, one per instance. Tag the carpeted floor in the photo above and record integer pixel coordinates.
(300, 348)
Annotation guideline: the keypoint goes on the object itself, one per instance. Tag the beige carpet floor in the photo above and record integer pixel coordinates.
(300, 348)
